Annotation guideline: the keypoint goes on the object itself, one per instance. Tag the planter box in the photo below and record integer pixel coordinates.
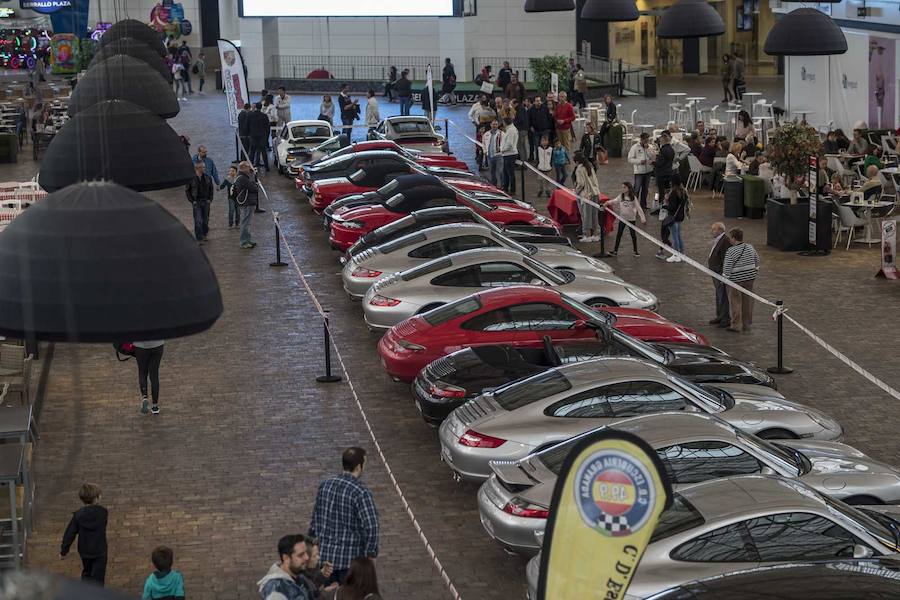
(788, 225)
(733, 192)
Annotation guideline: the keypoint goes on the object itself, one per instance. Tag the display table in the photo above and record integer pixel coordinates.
(563, 208)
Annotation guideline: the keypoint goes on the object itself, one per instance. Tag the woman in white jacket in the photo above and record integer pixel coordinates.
(372, 115)
(587, 186)
(626, 206)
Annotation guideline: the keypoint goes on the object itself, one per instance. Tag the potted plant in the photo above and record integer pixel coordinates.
(790, 147)
(541, 68)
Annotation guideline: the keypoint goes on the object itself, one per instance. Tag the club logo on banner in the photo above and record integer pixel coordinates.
(607, 501)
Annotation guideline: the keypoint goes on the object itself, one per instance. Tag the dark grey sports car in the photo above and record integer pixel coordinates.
(481, 368)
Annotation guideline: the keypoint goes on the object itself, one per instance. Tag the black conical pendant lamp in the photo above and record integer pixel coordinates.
(96, 262)
(135, 49)
(690, 19)
(805, 32)
(122, 77)
(132, 28)
(118, 141)
(549, 5)
(610, 10)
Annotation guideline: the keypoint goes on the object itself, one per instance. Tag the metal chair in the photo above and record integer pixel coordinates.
(698, 170)
(849, 223)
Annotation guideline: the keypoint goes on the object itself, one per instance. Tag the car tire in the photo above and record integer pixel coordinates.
(862, 500)
(777, 434)
(428, 307)
(601, 302)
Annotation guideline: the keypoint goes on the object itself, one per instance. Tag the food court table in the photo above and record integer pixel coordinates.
(866, 209)
(563, 208)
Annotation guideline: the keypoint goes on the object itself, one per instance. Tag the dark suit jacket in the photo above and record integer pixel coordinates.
(258, 125)
(717, 258)
(243, 129)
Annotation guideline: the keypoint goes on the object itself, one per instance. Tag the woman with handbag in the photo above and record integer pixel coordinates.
(587, 186)
(149, 355)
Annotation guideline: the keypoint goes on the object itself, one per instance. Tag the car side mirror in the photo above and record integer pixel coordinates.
(860, 551)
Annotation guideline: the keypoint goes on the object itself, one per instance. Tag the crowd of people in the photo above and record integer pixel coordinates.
(180, 61)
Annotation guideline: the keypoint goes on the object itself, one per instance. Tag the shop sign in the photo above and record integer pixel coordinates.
(45, 6)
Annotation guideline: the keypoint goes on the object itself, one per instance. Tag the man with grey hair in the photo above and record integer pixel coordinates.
(246, 194)
(199, 191)
(715, 261)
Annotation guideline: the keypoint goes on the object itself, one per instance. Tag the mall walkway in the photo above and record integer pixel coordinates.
(245, 433)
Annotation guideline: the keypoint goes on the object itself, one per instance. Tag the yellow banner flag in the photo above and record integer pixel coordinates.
(607, 500)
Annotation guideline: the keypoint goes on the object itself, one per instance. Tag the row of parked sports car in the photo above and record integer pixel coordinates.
(515, 344)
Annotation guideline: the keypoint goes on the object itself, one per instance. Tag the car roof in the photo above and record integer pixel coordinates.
(399, 118)
(414, 180)
(723, 499)
(660, 429)
(479, 255)
(517, 293)
(590, 371)
(377, 154)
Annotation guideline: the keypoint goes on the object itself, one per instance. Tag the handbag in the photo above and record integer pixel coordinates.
(125, 349)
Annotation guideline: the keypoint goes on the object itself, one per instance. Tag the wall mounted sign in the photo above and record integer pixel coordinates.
(44, 6)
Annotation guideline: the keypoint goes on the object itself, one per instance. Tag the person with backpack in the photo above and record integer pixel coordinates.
(677, 203)
(246, 194)
(199, 69)
(448, 82)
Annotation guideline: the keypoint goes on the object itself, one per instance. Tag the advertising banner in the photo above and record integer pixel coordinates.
(813, 197)
(882, 85)
(234, 80)
(554, 85)
(607, 501)
(888, 250)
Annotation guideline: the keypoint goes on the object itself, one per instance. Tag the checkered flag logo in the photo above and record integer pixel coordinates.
(613, 524)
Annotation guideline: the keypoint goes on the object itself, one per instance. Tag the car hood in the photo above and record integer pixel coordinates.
(320, 183)
(345, 201)
(711, 364)
(356, 213)
(836, 459)
(756, 399)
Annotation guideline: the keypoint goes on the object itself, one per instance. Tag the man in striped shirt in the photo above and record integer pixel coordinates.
(344, 517)
(741, 266)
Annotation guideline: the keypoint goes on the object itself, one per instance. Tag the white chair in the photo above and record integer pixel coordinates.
(889, 145)
(698, 171)
(849, 223)
(888, 191)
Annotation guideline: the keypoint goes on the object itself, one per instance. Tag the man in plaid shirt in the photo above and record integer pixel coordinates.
(344, 517)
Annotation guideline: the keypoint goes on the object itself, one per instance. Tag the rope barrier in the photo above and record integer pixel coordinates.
(780, 310)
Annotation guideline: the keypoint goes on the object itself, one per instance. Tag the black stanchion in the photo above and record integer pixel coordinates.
(780, 369)
(522, 178)
(447, 134)
(278, 262)
(327, 377)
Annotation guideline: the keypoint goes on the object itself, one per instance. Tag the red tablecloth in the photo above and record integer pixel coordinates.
(563, 208)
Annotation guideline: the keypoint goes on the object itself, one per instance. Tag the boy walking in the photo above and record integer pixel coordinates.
(89, 525)
(164, 583)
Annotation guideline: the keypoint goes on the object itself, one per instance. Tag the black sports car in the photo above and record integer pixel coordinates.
(472, 371)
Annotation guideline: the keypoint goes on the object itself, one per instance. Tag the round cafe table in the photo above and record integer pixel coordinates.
(752, 96)
(802, 112)
(866, 209)
(695, 101)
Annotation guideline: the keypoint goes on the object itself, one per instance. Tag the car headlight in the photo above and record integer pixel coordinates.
(640, 294)
(824, 422)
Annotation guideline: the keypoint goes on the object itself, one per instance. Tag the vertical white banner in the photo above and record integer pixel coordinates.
(429, 89)
(888, 249)
(234, 82)
(554, 85)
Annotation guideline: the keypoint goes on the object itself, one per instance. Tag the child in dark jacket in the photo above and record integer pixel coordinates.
(89, 525)
(234, 215)
(164, 583)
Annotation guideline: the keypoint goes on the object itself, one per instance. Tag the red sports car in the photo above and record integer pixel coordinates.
(491, 317)
(423, 158)
(349, 225)
(371, 177)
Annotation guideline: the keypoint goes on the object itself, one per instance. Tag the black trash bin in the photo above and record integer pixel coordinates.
(218, 75)
(734, 198)
(649, 86)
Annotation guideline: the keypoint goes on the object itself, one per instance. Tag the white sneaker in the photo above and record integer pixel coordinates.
(673, 259)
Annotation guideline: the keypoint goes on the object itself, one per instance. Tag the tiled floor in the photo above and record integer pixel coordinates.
(246, 433)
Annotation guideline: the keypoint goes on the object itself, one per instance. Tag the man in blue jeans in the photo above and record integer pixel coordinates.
(246, 194)
(403, 87)
(199, 192)
(492, 142)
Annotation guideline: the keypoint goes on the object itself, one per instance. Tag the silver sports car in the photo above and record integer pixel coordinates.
(728, 525)
(396, 297)
(534, 413)
(442, 240)
(693, 447)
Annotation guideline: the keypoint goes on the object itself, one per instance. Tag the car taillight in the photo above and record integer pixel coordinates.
(379, 300)
(361, 272)
(412, 347)
(473, 439)
(445, 390)
(521, 508)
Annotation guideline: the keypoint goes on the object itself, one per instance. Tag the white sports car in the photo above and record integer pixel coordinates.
(297, 136)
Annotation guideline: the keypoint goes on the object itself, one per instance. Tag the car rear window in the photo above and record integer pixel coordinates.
(429, 267)
(537, 387)
(402, 242)
(416, 127)
(310, 131)
(444, 313)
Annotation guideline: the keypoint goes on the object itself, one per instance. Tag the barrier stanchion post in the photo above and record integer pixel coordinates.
(447, 134)
(522, 179)
(327, 377)
(780, 369)
(278, 262)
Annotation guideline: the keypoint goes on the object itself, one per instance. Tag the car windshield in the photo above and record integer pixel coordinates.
(601, 316)
(505, 241)
(531, 389)
(887, 522)
(473, 201)
(553, 457)
(411, 127)
(335, 161)
(713, 397)
(679, 517)
(402, 242)
(310, 131)
(793, 459)
(655, 353)
(866, 521)
(548, 273)
(442, 314)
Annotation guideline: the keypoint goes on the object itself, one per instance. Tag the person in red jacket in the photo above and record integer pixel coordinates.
(564, 115)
